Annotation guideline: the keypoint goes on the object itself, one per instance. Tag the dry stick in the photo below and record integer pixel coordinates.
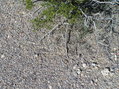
(103, 44)
(83, 13)
(37, 10)
(50, 31)
(86, 17)
(67, 39)
(104, 2)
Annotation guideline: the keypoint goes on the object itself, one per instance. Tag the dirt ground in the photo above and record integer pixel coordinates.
(26, 63)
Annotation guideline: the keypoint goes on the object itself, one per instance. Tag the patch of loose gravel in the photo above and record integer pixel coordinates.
(25, 63)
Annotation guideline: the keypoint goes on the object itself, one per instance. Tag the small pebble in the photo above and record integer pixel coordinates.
(115, 57)
(93, 64)
(8, 36)
(115, 49)
(35, 55)
(84, 65)
(105, 72)
(74, 67)
(22, 12)
(2, 56)
(78, 71)
(50, 87)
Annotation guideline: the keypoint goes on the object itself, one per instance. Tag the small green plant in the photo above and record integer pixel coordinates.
(29, 4)
(66, 8)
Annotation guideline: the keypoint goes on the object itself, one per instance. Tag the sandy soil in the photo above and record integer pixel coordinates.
(26, 63)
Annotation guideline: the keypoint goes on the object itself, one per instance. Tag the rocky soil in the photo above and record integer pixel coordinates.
(27, 63)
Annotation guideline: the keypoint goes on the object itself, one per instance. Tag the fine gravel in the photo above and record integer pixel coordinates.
(26, 63)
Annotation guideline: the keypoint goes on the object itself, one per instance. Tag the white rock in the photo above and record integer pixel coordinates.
(50, 87)
(105, 72)
(15, 21)
(93, 64)
(2, 56)
(115, 57)
(22, 12)
(35, 55)
(84, 65)
(8, 36)
(114, 49)
(74, 67)
(78, 71)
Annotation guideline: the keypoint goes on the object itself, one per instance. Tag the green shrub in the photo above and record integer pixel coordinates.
(70, 9)
(66, 8)
(29, 4)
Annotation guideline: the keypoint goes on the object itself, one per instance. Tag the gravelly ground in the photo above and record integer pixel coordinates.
(25, 63)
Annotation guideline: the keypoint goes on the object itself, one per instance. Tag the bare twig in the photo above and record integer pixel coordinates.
(104, 2)
(67, 38)
(37, 10)
(83, 12)
(103, 44)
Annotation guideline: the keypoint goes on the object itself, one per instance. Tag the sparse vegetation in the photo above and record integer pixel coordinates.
(29, 4)
(70, 9)
(73, 11)
(66, 8)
